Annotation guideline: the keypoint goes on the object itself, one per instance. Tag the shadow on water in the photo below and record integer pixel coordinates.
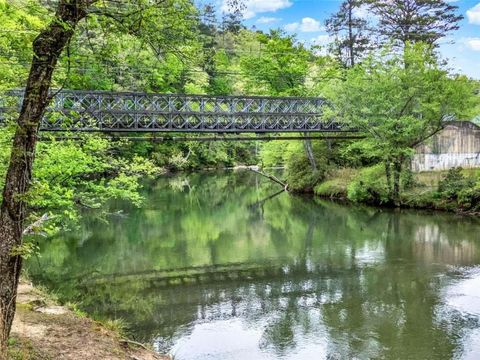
(223, 266)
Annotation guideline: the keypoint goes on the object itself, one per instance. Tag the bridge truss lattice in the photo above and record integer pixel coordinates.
(72, 110)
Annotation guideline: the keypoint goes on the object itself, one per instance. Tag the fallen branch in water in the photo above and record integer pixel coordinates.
(263, 201)
(271, 177)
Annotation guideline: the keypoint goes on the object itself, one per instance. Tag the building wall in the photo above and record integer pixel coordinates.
(458, 144)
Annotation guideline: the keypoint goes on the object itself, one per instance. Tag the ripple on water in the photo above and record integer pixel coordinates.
(464, 295)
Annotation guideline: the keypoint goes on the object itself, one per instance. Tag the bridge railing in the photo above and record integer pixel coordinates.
(72, 110)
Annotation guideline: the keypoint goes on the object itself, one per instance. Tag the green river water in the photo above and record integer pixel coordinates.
(221, 266)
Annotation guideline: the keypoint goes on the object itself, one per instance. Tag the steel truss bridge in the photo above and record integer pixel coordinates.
(83, 111)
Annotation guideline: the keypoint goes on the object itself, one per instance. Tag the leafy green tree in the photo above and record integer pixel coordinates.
(399, 106)
(215, 61)
(162, 25)
(20, 24)
(279, 68)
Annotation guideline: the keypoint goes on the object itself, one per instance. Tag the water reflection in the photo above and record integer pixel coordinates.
(464, 295)
(223, 266)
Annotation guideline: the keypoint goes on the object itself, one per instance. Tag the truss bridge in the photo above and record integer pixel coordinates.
(72, 110)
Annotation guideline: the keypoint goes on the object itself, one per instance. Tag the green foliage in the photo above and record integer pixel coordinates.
(275, 153)
(200, 155)
(336, 184)
(5, 146)
(292, 155)
(330, 188)
(369, 186)
(469, 198)
(281, 69)
(399, 100)
(407, 179)
(118, 326)
(456, 187)
(299, 173)
(20, 20)
(361, 153)
(71, 176)
(26, 250)
(73, 306)
(453, 184)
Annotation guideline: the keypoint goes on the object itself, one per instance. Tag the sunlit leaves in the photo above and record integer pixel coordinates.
(400, 100)
(279, 69)
(20, 22)
(71, 176)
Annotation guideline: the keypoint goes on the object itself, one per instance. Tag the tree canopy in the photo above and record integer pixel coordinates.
(174, 46)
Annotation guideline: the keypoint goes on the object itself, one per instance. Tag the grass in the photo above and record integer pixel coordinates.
(424, 194)
(75, 309)
(118, 326)
(336, 184)
(23, 350)
(27, 306)
(432, 178)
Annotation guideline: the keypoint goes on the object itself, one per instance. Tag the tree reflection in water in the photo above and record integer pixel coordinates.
(216, 255)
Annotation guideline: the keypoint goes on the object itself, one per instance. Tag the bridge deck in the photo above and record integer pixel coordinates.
(73, 110)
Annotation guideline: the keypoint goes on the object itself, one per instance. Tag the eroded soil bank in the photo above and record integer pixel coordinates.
(45, 330)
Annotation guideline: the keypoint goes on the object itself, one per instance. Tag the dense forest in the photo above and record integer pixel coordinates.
(197, 50)
(397, 82)
(384, 76)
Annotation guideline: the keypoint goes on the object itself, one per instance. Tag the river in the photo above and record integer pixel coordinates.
(222, 266)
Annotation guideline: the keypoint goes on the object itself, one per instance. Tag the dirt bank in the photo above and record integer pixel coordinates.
(45, 330)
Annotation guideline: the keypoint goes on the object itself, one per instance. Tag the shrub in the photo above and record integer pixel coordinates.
(469, 198)
(407, 179)
(300, 175)
(454, 184)
(369, 186)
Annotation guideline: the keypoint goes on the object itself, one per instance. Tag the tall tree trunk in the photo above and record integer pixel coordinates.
(47, 48)
(397, 170)
(351, 40)
(309, 151)
(388, 174)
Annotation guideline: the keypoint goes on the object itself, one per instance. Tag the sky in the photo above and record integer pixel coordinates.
(306, 18)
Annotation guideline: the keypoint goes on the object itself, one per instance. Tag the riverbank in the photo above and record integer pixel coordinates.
(42, 330)
(457, 190)
(231, 257)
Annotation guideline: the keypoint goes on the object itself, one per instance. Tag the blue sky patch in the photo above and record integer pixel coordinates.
(306, 19)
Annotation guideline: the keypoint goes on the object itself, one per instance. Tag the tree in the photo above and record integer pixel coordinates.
(19, 27)
(47, 48)
(411, 21)
(280, 67)
(215, 61)
(135, 17)
(399, 106)
(350, 33)
(232, 21)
